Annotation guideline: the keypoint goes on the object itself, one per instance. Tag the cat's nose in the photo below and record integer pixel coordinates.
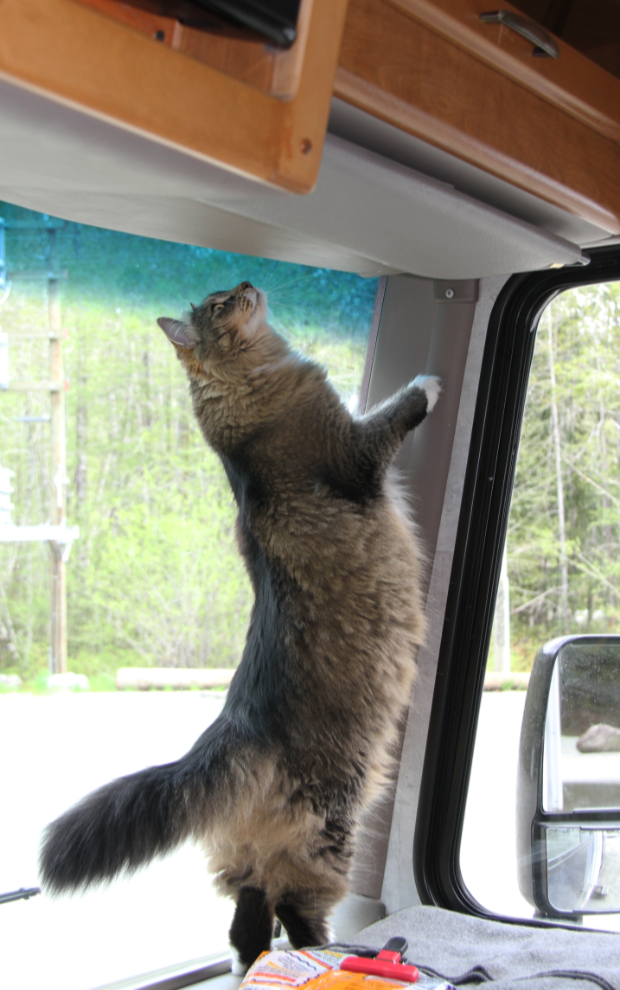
(245, 285)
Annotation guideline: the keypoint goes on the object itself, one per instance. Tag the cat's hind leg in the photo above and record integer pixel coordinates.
(251, 929)
(303, 927)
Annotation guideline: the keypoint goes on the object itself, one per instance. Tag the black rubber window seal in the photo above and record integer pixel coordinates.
(475, 573)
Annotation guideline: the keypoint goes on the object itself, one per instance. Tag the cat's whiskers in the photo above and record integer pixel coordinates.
(271, 283)
(286, 286)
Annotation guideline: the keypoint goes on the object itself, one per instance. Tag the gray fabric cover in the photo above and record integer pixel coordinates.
(367, 214)
(513, 955)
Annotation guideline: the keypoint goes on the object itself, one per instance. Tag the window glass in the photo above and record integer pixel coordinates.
(153, 580)
(560, 575)
(582, 755)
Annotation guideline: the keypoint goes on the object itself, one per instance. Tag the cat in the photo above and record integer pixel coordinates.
(275, 787)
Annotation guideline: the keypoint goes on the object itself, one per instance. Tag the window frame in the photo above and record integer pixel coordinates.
(474, 578)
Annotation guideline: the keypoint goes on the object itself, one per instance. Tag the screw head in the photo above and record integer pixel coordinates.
(449, 293)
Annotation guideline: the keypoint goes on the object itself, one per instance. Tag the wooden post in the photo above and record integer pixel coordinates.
(59, 543)
(58, 471)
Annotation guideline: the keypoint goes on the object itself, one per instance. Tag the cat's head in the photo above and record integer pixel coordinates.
(218, 330)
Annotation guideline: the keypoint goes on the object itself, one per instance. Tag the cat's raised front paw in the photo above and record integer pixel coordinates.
(432, 386)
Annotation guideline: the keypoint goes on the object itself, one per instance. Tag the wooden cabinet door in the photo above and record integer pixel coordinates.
(432, 69)
(259, 114)
(572, 81)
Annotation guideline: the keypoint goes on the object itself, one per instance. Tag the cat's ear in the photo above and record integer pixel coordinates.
(177, 332)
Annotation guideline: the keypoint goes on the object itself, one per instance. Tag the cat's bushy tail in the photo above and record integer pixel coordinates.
(123, 825)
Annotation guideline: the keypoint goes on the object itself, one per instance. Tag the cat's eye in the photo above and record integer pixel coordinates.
(218, 307)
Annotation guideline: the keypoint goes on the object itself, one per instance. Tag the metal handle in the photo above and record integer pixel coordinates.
(526, 28)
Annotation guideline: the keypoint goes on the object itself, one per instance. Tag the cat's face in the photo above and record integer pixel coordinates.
(220, 328)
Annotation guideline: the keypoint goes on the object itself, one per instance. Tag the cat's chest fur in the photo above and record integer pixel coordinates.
(273, 430)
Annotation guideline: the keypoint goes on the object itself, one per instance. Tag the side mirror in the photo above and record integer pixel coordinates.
(568, 779)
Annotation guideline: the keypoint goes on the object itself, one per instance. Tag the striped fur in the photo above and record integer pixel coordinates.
(275, 788)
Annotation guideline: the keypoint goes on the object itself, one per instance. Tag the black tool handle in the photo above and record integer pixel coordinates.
(396, 944)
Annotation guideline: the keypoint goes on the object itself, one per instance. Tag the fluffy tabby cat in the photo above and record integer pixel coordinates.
(275, 787)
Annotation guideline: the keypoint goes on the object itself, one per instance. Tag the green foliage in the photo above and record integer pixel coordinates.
(583, 329)
(155, 577)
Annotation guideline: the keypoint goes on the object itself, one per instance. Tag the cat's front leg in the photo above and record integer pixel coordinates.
(358, 452)
(431, 385)
(386, 426)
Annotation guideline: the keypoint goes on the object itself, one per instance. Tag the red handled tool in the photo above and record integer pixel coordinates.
(386, 963)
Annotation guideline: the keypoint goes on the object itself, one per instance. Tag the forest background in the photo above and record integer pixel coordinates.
(155, 578)
(563, 543)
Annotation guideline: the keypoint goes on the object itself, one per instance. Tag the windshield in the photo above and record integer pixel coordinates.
(98, 441)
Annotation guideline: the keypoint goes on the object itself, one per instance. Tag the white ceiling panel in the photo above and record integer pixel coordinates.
(368, 213)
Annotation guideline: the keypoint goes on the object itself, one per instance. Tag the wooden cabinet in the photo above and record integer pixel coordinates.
(433, 69)
(255, 110)
(572, 82)
(236, 52)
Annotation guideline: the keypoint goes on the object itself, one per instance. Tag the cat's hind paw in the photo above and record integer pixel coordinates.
(432, 386)
(237, 968)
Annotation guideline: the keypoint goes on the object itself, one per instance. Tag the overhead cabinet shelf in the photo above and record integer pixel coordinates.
(468, 85)
(231, 100)
(477, 90)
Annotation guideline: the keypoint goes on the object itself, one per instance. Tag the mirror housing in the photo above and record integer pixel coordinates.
(568, 817)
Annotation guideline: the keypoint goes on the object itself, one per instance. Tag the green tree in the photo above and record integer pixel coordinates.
(564, 526)
(155, 577)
